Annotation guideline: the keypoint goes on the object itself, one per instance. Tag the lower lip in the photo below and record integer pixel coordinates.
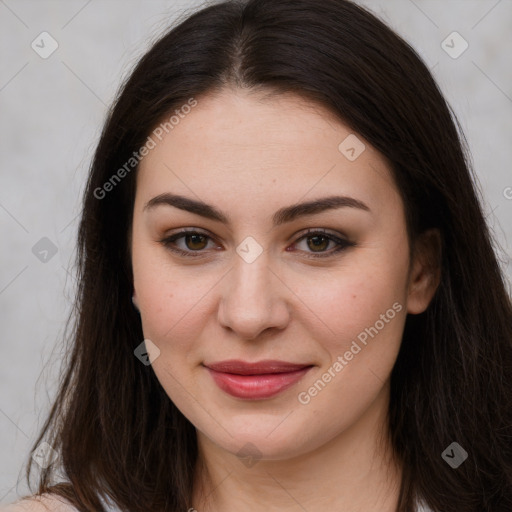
(256, 387)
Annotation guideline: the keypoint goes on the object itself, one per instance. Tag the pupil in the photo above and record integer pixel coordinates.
(317, 244)
(195, 237)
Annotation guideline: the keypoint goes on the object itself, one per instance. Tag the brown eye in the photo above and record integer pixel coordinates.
(195, 241)
(317, 241)
(193, 245)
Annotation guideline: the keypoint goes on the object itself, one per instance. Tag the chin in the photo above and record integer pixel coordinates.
(267, 442)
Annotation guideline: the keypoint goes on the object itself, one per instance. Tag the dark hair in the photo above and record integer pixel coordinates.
(115, 428)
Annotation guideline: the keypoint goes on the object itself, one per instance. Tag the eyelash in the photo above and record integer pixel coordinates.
(342, 244)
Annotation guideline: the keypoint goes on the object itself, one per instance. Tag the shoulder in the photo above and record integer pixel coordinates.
(43, 503)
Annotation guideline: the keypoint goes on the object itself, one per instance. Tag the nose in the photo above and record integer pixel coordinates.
(254, 299)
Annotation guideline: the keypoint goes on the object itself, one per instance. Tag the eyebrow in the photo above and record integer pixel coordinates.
(281, 216)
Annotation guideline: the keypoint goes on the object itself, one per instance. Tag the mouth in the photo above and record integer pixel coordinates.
(256, 381)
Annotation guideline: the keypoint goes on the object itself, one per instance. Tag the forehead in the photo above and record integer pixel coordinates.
(280, 147)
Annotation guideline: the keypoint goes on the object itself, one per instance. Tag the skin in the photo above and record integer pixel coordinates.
(249, 156)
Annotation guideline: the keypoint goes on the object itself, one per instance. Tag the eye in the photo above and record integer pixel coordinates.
(317, 240)
(194, 241)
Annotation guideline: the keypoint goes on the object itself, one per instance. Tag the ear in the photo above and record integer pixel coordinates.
(134, 300)
(425, 271)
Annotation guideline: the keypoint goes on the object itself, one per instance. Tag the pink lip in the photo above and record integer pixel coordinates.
(256, 381)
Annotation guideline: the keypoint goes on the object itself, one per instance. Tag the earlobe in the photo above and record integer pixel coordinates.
(425, 274)
(134, 301)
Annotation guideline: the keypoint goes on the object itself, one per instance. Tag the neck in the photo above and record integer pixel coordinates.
(354, 471)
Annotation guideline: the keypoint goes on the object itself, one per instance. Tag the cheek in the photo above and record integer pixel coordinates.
(176, 300)
(358, 322)
(346, 302)
(173, 317)
(174, 303)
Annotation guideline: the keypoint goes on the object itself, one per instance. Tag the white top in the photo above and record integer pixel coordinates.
(420, 507)
(58, 504)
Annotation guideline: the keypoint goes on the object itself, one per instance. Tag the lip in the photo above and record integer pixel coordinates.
(256, 381)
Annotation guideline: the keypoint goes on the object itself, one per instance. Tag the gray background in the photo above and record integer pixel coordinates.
(51, 113)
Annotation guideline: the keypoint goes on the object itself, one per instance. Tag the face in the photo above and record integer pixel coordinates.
(248, 278)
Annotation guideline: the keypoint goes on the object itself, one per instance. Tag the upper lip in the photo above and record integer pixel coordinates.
(259, 367)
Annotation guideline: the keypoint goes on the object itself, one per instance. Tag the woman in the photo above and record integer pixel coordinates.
(288, 294)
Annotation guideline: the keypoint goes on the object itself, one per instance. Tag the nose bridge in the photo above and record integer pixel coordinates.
(251, 301)
(252, 278)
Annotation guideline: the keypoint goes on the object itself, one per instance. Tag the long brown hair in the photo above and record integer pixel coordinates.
(118, 434)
